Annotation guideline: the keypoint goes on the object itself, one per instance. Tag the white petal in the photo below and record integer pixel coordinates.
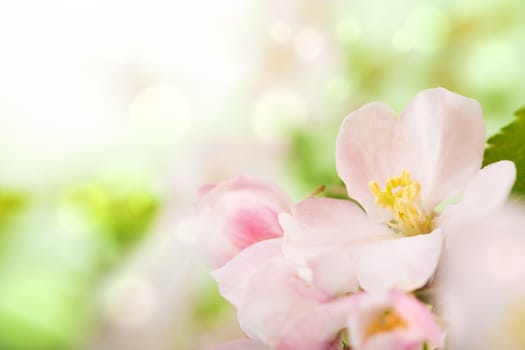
(485, 193)
(322, 234)
(405, 263)
(366, 148)
(482, 282)
(445, 139)
(318, 225)
(235, 274)
(328, 213)
(274, 295)
(319, 327)
(335, 272)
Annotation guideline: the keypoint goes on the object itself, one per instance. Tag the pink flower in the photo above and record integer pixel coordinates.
(392, 321)
(277, 306)
(345, 250)
(388, 320)
(298, 291)
(279, 309)
(232, 215)
(399, 170)
(267, 290)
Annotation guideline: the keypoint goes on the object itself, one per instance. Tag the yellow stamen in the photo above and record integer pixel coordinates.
(401, 198)
(385, 322)
(374, 187)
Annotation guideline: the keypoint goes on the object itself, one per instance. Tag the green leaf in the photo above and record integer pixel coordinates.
(509, 144)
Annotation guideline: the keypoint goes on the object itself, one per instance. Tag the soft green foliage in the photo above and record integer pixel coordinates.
(209, 305)
(122, 214)
(11, 203)
(509, 144)
(312, 161)
(50, 307)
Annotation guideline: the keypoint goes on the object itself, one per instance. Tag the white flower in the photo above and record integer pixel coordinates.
(399, 170)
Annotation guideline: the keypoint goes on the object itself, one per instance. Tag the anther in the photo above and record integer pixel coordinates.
(401, 197)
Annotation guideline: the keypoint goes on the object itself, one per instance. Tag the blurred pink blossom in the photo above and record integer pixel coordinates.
(235, 214)
(393, 321)
(481, 294)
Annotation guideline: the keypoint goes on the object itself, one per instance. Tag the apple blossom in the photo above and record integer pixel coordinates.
(385, 320)
(267, 290)
(280, 309)
(399, 170)
(392, 320)
(234, 214)
(296, 273)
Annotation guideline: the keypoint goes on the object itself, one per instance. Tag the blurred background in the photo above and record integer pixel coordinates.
(113, 113)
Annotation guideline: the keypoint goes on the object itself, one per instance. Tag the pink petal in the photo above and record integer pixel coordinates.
(405, 263)
(445, 139)
(419, 327)
(391, 341)
(319, 327)
(275, 294)
(235, 274)
(235, 214)
(318, 224)
(240, 344)
(365, 309)
(335, 272)
(367, 148)
(485, 194)
(322, 234)
(421, 322)
(328, 213)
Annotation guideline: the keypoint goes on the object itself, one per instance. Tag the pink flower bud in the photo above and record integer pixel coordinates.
(235, 214)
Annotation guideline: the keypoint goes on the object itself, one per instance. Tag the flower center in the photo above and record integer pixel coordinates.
(401, 198)
(385, 322)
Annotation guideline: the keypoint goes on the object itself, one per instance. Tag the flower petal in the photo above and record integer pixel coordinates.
(391, 341)
(366, 149)
(421, 322)
(485, 193)
(335, 272)
(328, 213)
(235, 274)
(418, 325)
(445, 139)
(316, 225)
(318, 328)
(232, 215)
(274, 295)
(322, 234)
(405, 263)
